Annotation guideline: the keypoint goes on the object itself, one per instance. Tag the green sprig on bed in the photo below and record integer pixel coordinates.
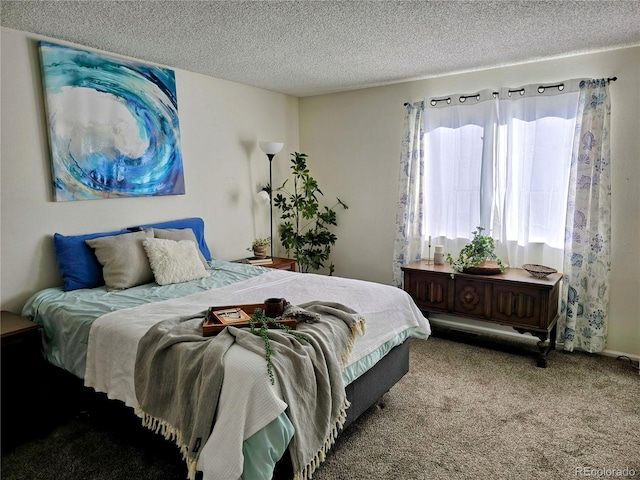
(259, 324)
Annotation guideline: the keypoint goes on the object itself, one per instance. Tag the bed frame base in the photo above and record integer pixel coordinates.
(363, 393)
(366, 390)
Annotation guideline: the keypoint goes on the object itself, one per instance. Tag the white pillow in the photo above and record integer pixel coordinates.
(174, 261)
(179, 234)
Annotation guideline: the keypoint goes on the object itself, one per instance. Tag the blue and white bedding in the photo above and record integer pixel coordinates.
(68, 319)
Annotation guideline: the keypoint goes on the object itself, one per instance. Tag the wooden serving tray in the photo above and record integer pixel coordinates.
(210, 328)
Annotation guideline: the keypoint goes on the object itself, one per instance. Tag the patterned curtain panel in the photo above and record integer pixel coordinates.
(407, 245)
(585, 296)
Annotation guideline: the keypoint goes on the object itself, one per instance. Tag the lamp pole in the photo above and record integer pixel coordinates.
(271, 149)
(270, 156)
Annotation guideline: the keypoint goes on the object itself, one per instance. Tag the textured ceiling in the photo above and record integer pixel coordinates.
(311, 47)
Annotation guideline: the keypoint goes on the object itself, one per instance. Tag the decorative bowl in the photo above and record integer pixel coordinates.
(538, 271)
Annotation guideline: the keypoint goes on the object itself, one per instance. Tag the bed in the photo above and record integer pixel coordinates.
(94, 330)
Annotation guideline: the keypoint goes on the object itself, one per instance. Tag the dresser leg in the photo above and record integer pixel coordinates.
(542, 362)
(544, 346)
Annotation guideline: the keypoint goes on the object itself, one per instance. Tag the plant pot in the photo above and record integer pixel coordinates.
(486, 267)
(261, 251)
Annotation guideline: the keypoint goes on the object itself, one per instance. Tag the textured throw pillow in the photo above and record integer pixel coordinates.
(178, 234)
(123, 259)
(174, 261)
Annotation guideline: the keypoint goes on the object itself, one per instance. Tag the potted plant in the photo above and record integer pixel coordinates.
(478, 256)
(260, 246)
(305, 231)
(259, 325)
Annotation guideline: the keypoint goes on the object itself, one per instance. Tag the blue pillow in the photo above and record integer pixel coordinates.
(196, 224)
(77, 261)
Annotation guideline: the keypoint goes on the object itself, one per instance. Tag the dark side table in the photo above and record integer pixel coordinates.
(22, 378)
(279, 263)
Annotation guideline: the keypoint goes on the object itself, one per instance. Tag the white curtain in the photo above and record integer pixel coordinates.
(407, 245)
(535, 140)
(460, 135)
(585, 293)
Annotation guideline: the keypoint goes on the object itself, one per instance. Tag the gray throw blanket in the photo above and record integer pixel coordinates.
(179, 374)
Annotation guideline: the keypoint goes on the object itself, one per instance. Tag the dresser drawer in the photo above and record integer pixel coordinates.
(517, 306)
(430, 292)
(471, 298)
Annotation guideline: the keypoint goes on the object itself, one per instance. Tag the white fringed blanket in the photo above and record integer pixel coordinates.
(179, 374)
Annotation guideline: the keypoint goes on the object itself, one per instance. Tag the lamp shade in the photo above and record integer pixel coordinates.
(271, 148)
(262, 197)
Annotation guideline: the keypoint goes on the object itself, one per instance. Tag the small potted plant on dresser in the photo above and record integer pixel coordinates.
(260, 247)
(478, 256)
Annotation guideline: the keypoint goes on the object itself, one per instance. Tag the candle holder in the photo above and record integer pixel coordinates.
(428, 261)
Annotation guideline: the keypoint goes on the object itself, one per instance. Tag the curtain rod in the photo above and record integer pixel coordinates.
(541, 88)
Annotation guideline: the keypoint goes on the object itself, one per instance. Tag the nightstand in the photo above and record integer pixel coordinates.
(283, 264)
(23, 378)
(278, 262)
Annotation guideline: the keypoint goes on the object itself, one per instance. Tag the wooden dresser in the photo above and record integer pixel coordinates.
(514, 298)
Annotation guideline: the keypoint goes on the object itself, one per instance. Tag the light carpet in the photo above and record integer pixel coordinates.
(467, 409)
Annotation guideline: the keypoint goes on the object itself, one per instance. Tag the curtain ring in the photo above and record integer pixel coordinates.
(540, 89)
(433, 103)
(462, 99)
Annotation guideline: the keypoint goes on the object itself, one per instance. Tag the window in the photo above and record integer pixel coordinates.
(502, 162)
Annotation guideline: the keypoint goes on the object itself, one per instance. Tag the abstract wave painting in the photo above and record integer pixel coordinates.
(113, 126)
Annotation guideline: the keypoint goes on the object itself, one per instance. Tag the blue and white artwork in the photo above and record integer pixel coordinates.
(113, 126)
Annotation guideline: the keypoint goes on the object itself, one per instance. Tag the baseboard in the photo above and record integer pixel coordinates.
(473, 326)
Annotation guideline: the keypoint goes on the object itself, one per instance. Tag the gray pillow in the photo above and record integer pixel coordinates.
(178, 234)
(124, 261)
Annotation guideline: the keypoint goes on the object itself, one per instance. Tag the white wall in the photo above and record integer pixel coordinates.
(353, 141)
(220, 122)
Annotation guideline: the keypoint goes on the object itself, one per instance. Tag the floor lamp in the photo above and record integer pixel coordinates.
(271, 149)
